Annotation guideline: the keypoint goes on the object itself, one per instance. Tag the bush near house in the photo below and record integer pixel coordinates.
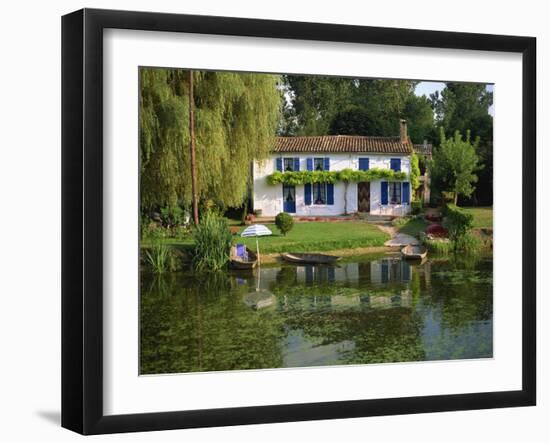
(284, 222)
(457, 222)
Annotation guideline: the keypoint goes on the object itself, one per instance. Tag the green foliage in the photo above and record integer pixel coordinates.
(212, 243)
(415, 172)
(457, 222)
(454, 164)
(462, 107)
(439, 246)
(161, 258)
(468, 243)
(172, 216)
(346, 175)
(284, 222)
(236, 116)
(416, 207)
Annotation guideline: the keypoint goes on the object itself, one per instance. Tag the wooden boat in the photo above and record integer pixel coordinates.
(315, 259)
(414, 252)
(242, 261)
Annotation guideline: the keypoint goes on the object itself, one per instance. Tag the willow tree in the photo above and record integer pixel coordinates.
(236, 116)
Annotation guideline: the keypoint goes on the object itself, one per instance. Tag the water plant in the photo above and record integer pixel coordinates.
(158, 257)
(212, 243)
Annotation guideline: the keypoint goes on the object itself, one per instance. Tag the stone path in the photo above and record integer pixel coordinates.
(398, 239)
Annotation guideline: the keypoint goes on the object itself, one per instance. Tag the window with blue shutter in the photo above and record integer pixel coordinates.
(363, 164)
(309, 164)
(296, 164)
(279, 164)
(307, 193)
(406, 192)
(327, 164)
(330, 194)
(395, 164)
(384, 193)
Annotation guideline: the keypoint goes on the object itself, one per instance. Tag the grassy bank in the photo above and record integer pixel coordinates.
(308, 237)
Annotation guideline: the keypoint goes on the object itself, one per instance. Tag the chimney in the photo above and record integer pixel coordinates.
(403, 131)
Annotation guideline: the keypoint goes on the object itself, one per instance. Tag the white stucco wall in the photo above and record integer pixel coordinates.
(269, 198)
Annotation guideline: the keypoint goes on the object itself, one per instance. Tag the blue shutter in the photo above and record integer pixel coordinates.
(307, 193)
(331, 274)
(327, 164)
(406, 192)
(309, 164)
(330, 194)
(296, 164)
(363, 164)
(405, 271)
(385, 271)
(279, 164)
(384, 192)
(395, 164)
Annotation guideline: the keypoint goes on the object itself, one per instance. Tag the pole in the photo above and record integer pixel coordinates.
(192, 148)
(258, 250)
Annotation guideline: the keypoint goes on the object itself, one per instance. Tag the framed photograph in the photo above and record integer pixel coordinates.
(269, 221)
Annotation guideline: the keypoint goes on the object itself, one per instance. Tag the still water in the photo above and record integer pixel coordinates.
(368, 310)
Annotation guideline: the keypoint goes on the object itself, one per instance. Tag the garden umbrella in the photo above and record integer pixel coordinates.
(256, 231)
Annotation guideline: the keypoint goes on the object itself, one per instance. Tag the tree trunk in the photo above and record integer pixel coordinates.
(192, 147)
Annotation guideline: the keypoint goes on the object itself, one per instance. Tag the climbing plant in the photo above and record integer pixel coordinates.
(295, 178)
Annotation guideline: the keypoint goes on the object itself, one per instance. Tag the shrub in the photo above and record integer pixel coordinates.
(212, 243)
(416, 207)
(457, 222)
(172, 216)
(436, 230)
(284, 222)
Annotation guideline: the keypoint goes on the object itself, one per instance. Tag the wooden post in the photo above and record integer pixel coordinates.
(192, 147)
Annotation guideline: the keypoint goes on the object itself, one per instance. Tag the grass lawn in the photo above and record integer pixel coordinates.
(320, 236)
(309, 237)
(483, 216)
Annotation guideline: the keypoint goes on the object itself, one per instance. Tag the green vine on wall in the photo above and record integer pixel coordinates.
(295, 178)
(415, 172)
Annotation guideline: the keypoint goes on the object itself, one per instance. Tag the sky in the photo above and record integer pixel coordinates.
(427, 88)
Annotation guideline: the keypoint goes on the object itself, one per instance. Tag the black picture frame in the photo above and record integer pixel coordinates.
(82, 218)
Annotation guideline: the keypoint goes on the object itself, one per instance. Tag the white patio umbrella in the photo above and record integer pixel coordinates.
(256, 231)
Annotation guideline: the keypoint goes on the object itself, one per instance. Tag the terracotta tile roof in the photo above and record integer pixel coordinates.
(424, 149)
(342, 143)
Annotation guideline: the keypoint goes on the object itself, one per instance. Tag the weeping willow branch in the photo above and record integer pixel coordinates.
(296, 178)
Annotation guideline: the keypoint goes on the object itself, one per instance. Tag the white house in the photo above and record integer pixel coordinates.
(333, 153)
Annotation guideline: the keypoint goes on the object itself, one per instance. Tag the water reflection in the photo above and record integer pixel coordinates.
(365, 311)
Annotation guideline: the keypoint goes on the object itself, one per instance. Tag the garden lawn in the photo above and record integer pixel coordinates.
(319, 236)
(483, 216)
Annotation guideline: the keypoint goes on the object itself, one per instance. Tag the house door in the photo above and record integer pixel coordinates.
(363, 197)
(289, 199)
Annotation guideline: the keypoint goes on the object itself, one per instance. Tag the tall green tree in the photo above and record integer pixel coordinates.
(454, 165)
(313, 101)
(462, 107)
(236, 116)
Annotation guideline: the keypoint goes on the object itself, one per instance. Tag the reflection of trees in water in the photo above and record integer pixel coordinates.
(460, 296)
(202, 324)
(384, 308)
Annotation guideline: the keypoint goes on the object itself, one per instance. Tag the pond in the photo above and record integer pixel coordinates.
(366, 310)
